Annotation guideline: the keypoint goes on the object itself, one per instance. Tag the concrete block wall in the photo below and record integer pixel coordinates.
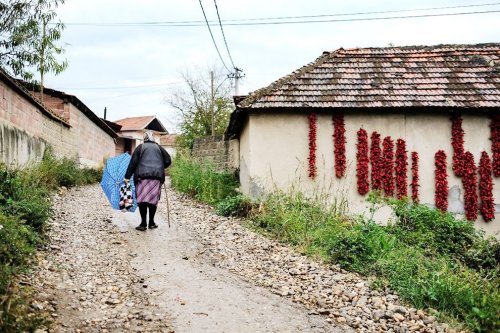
(224, 155)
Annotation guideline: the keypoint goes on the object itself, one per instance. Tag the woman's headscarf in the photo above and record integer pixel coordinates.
(148, 136)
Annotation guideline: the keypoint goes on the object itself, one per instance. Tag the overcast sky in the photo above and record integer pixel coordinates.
(130, 69)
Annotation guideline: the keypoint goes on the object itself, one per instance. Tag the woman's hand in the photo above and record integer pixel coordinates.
(125, 180)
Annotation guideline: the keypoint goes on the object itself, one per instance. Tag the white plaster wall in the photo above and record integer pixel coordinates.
(274, 151)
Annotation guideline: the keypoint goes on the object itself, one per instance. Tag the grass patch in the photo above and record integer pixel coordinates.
(430, 258)
(25, 206)
(201, 181)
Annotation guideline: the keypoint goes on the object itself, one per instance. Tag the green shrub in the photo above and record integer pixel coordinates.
(17, 245)
(201, 180)
(239, 206)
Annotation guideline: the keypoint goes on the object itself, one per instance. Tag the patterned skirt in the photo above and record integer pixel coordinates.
(148, 190)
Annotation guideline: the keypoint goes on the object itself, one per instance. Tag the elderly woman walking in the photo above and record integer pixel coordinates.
(148, 165)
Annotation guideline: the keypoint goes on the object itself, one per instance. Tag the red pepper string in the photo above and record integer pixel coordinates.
(401, 169)
(362, 165)
(414, 177)
(376, 160)
(495, 143)
(388, 166)
(441, 188)
(339, 141)
(312, 144)
(457, 142)
(469, 181)
(487, 207)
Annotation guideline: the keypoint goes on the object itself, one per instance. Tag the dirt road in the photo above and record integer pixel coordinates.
(204, 274)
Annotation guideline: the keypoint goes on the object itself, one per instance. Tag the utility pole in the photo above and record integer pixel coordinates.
(212, 97)
(237, 75)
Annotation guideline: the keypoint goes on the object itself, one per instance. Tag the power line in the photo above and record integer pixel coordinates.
(223, 35)
(211, 35)
(122, 87)
(195, 23)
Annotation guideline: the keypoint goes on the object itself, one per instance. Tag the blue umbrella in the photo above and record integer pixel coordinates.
(112, 179)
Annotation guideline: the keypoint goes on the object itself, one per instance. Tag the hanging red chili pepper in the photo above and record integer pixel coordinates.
(457, 142)
(401, 169)
(414, 177)
(388, 166)
(376, 161)
(495, 143)
(441, 179)
(487, 207)
(362, 158)
(312, 144)
(339, 141)
(469, 181)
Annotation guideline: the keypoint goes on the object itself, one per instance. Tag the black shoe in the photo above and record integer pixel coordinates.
(141, 227)
(153, 225)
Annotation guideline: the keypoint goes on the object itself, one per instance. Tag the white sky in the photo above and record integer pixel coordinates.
(103, 61)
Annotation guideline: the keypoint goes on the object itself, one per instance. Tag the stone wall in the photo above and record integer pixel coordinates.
(224, 155)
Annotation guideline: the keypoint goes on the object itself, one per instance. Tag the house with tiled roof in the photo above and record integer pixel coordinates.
(28, 126)
(169, 142)
(132, 131)
(421, 122)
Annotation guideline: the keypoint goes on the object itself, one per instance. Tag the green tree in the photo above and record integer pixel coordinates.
(204, 104)
(28, 37)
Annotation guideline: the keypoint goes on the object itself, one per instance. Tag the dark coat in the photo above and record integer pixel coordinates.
(149, 161)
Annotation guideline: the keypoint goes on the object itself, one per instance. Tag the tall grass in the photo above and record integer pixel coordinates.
(25, 206)
(202, 181)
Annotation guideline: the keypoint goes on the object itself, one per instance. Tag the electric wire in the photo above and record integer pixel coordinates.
(194, 23)
(211, 35)
(223, 35)
(121, 87)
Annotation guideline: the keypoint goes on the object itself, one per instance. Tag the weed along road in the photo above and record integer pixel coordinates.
(205, 274)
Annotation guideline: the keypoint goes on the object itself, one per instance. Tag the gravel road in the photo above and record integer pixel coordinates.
(204, 274)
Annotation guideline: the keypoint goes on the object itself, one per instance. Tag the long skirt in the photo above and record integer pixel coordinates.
(148, 190)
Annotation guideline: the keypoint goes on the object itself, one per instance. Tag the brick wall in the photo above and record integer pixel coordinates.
(224, 155)
(21, 119)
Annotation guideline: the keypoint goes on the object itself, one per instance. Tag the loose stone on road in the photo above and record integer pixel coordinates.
(205, 274)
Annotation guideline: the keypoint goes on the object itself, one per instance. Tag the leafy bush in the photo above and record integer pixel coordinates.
(234, 206)
(17, 245)
(201, 181)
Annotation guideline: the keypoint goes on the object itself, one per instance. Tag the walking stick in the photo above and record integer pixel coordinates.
(168, 205)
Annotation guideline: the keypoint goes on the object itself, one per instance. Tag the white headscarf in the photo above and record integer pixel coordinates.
(148, 136)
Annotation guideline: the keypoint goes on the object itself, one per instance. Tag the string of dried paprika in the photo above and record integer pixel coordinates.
(457, 142)
(401, 169)
(312, 144)
(388, 166)
(375, 160)
(414, 177)
(441, 181)
(469, 181)
(495, 144)
(487, 206)
(339, 141)
(362, 159)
